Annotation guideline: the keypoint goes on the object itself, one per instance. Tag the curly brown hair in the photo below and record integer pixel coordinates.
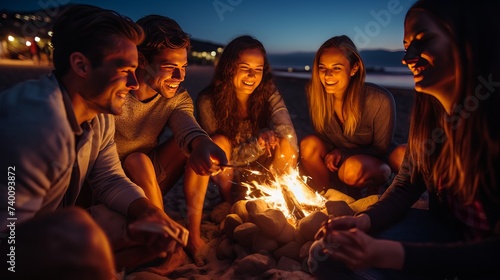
(222, 91)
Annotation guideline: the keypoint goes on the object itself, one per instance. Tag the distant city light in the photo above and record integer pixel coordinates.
(307, 68)
(11, 38)
(37, 39)
(28, 43)
(213, 53)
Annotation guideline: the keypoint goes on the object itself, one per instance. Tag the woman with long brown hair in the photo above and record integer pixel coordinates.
(453, 154)
(246, 116)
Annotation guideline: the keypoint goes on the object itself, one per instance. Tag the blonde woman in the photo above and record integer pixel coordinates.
(353, 121)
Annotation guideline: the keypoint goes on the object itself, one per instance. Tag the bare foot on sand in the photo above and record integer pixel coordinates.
(197, 250)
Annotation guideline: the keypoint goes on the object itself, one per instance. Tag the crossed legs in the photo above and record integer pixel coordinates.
(359, 171)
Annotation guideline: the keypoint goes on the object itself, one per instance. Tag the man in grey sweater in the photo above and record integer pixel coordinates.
(159, 104)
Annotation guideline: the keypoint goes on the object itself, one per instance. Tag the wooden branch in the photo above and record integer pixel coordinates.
(292, 204)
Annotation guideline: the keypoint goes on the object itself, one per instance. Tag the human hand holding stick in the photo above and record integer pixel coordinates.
(268, 140)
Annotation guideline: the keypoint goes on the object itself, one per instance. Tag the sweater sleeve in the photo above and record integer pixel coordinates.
(397, 199)
(468, 259)
(107, 178)
(281, 122)
(183, 123)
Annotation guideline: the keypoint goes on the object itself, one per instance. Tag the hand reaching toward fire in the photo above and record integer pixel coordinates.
(345, 240)
(159, 238)
(333, 159)
(268, 140)
(206, 156)
(357, 250)
(150, 226)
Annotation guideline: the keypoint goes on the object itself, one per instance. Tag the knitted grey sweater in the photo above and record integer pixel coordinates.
(140, 126)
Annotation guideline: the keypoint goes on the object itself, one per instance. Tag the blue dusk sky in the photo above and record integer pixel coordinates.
(283, 26)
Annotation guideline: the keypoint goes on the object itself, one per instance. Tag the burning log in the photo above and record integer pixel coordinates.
(311, 208)
(305, 187)
(289, 193)
(292, 204)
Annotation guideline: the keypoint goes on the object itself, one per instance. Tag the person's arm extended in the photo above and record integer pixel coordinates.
(184, 126)
(358, 250)
(281, 123)
(138, 208)
(206, 156)
(106, 178)
(397, 199)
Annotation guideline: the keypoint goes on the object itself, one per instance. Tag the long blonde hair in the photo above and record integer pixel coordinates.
(321, 104)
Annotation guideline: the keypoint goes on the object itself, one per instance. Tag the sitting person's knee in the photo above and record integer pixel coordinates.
(352, 174)
(72, 244)
(396, 157)
(360, 171)
(352, 171)
(81, 232)
(309, 146)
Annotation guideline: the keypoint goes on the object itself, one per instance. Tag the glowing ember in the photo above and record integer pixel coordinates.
(283, 189)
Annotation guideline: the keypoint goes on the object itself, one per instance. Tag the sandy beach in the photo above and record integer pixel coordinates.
(253, 266)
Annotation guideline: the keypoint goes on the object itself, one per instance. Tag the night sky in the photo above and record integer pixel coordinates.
(283, 26)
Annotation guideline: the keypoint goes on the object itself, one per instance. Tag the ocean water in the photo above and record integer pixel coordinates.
(383, 67)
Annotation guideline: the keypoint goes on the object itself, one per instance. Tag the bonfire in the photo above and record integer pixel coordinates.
(287, 192)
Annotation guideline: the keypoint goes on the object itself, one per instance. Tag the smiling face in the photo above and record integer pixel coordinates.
(108, 84)
(166, 71)
(335, 71)
(429, 55)
(250, 68)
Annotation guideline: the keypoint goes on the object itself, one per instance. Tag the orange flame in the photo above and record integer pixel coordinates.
(310, 200)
